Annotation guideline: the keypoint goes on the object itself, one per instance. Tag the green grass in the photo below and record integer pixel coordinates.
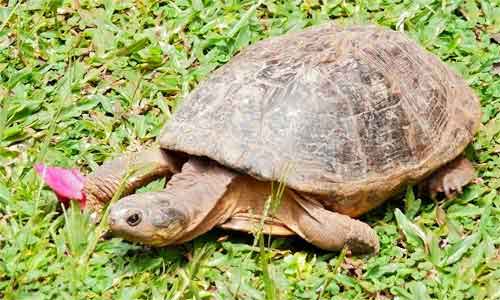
(80, 85)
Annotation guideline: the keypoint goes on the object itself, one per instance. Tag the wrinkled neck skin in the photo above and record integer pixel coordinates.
(244, 194)
(203, 218)
(205, 193)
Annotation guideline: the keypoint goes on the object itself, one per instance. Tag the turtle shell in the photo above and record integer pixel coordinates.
(331, 110)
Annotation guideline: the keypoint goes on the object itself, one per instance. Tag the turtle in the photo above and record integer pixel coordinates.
(343, 117)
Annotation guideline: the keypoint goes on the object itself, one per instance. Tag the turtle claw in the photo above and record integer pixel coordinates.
(451, 179)
(451, 186)
(366, 244)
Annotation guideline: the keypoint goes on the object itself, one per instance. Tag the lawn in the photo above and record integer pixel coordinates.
(83, 81)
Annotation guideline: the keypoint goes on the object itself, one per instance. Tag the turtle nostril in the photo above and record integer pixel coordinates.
(111, 221)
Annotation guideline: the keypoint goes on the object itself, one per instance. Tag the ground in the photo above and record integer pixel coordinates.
(82, 81)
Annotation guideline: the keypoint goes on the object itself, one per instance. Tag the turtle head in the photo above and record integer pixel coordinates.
(193, 202)
(147, 219)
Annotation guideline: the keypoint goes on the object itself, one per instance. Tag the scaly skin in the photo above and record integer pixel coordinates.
(144, 167)
(205, 195)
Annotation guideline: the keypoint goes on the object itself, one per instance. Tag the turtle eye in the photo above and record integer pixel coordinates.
(134, 219)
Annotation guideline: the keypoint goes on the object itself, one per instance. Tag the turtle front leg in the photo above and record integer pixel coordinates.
(142, 167)
(326, 229)
(451, 178)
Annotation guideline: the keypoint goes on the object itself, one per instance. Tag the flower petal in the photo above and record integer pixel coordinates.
(66, 183)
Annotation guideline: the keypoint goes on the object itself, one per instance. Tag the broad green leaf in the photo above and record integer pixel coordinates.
(435, 252)
(412, 205)
(456, 251)
(412, 232)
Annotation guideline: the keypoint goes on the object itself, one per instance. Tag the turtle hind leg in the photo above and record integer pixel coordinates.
(326, 229)
(451, 178)
(334, 231)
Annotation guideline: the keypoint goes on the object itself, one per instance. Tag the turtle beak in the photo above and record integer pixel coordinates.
(111, 221)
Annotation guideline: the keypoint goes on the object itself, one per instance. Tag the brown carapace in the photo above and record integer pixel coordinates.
(346, 116)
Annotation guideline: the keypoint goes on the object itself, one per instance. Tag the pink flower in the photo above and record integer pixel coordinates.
(66, 183)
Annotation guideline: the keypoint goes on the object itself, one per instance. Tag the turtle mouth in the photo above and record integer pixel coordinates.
(169, 235)
(150, 235)
(142, 236)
